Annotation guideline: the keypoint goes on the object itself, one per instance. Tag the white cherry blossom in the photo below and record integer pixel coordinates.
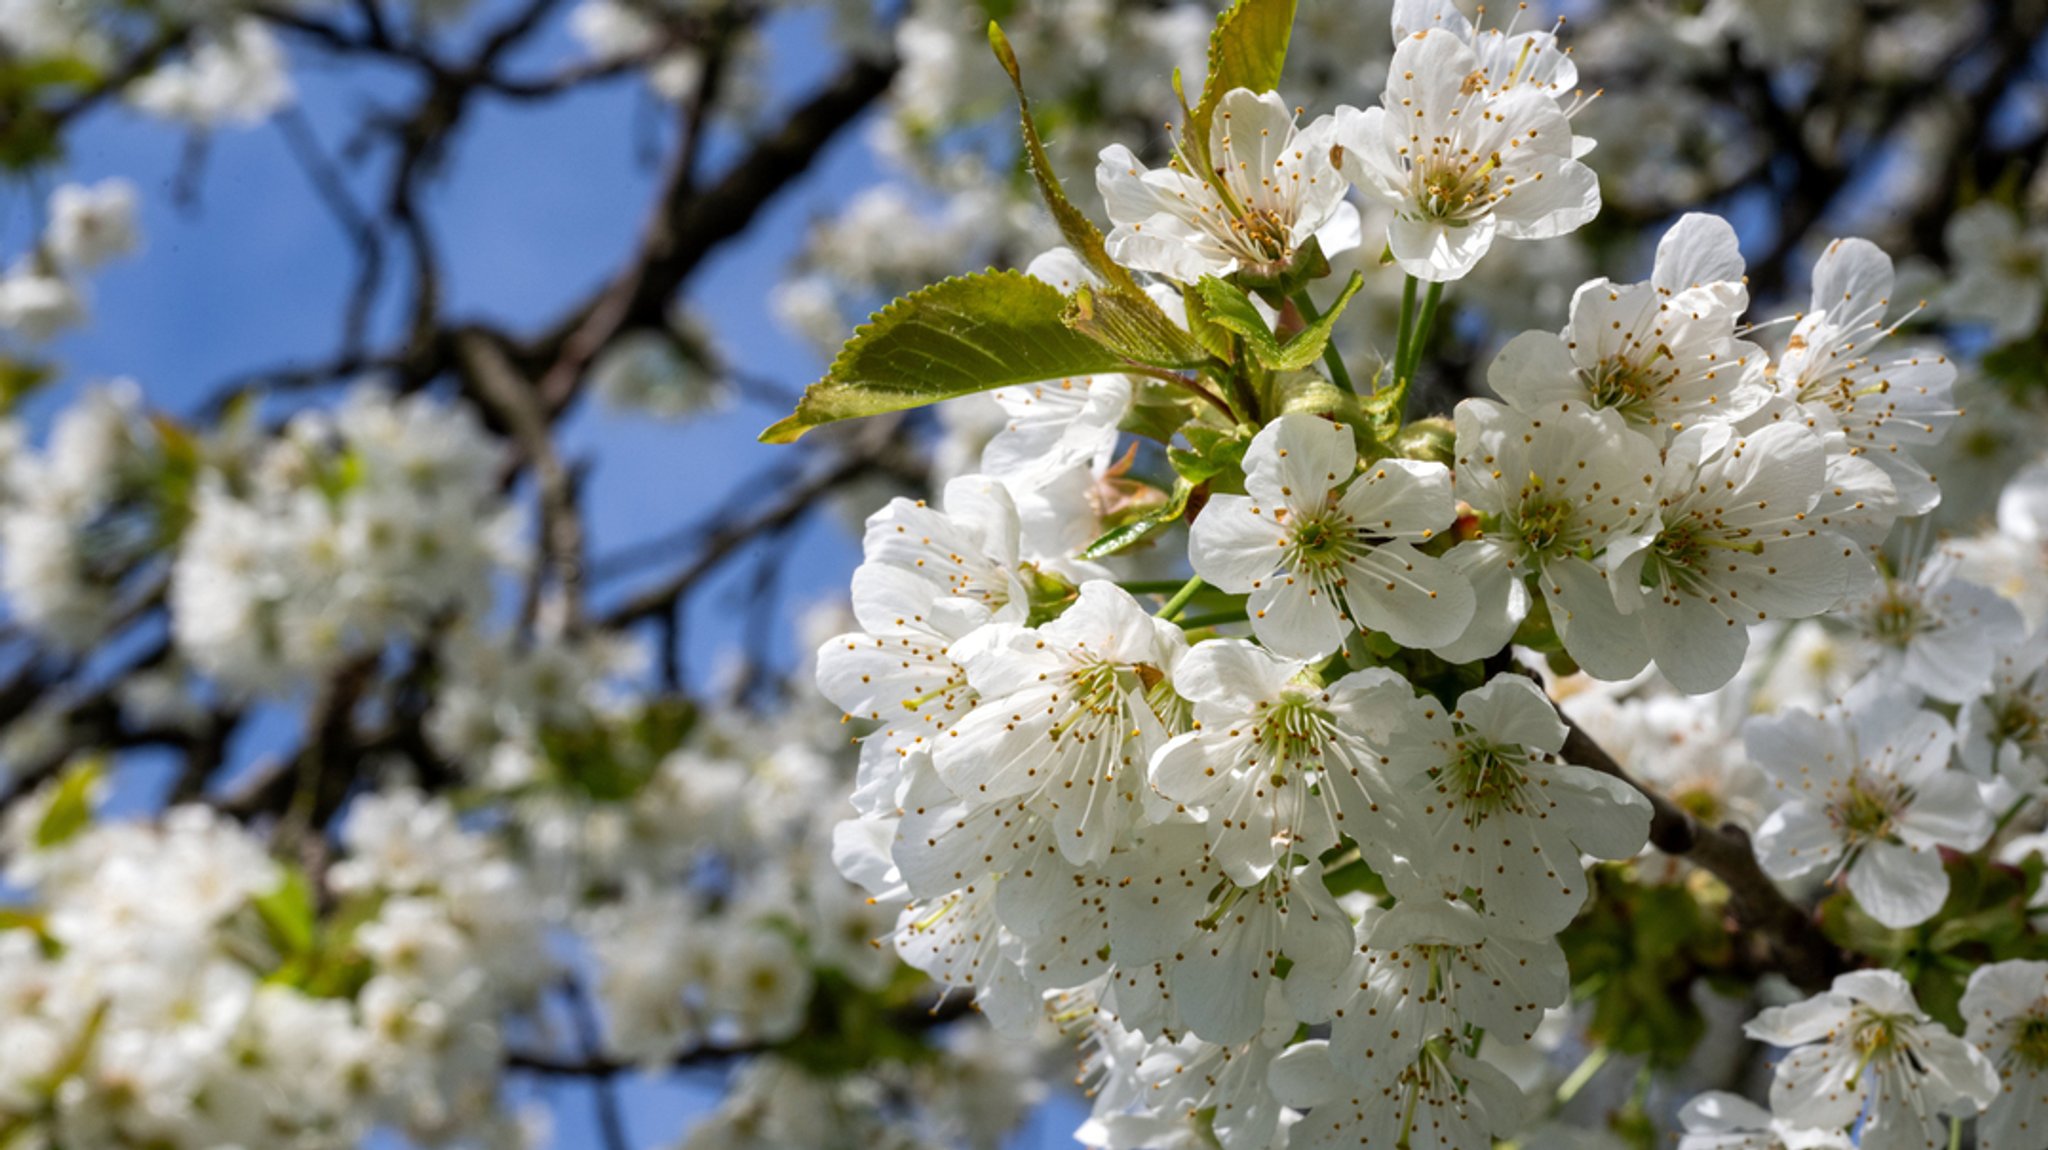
(932, 577)
(1276, 761)
(1864, 1050)
(1663, 353)
(1283, 192)
(1443, 1100)
(1868, 793)
(1730, 547)
(1317, 542)
(1550, 492)
(1933, 631)
(1462, 155)
(1884, 403)
(2005, 1008)
(2004, 731)
(1498, 815)
(1067, 717)
(1432, 969)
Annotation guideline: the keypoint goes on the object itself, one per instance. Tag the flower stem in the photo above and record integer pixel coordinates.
(1407, 323)
(1179, 602)
(1217, 619)
(1419, 338)
(1338, 374)
(1582, 1073)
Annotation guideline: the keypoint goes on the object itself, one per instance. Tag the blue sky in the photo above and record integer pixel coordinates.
(540, 203)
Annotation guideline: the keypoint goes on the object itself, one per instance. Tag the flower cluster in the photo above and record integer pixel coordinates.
(1156, 829)
(174, 986)
(354, 527)
(41, 292)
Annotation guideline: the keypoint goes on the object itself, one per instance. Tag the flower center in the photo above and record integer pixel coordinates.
(2014, 719)
(1454, 190)
(1897, 618)
(1866, 813)
(1625, 386)
(1543, 524)
(1291, 731)
(2030, 1046)
(1487, 777)
(1321, 540)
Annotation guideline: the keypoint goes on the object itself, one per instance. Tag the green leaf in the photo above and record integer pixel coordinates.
(1076, 228)
(959, 336)
(21, 918)
(289, 913)
(1134, 328)
(1307, 344)
(1128, 535)
(1120, 314)
(1206, 330)
(1227, 306)
(70, 809)
(19, 379)
(1210, 452)
(1248, 49)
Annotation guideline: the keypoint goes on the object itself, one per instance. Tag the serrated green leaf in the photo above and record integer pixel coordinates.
(1210, 451)
(1134, 328)
(1228, 306)
(959, 336)
(1076, 228)
(1206, 330)
(1307, 345)
(70, 809)
(1248, 49)
(1128, 535)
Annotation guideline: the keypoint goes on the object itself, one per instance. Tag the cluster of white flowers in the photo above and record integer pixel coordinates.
(171, 985)
(375, 521)
(41, 291)
(234, 76)
(75, 519)
(1137, 826)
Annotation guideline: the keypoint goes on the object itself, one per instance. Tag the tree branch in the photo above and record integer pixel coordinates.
(1795, 940)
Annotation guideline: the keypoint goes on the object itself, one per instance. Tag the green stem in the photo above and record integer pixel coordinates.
(1407, 322)
(1338, 374)
(1217, 619)
(1151, 586)
(1179, 602)
(2005, 820)
(1419, 341)
(1582, 1074)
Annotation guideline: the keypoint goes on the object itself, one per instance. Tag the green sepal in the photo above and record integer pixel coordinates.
(959, 336)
